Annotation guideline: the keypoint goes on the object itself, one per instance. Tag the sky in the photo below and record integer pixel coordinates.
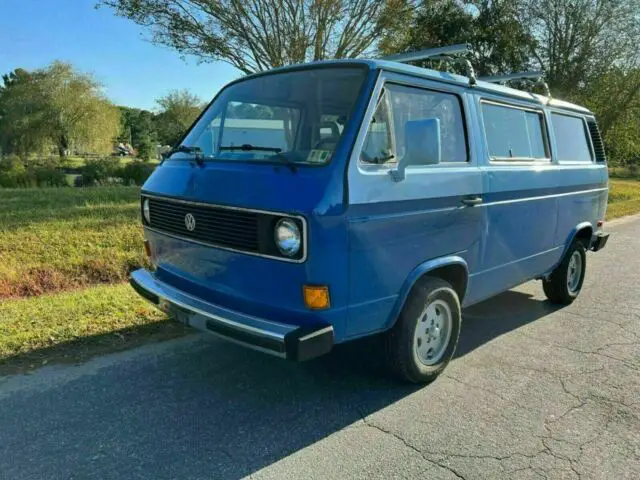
(114, 50)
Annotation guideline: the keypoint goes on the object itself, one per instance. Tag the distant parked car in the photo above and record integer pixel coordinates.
(123, 150)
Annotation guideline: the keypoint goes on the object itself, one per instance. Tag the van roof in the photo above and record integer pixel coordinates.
(439, 76)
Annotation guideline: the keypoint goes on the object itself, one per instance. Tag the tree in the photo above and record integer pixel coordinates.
(19, 118)
(256, 35)
(499, 42)
(589, 53)
(615, 97)
(55, 107)
(139, 130)
(178, 110)
(577, 41)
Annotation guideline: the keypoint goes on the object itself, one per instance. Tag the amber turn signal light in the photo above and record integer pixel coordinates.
(316, 297)
(147, 248)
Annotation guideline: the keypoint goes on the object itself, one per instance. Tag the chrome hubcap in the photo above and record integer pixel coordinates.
(574, 272)
(433, 332)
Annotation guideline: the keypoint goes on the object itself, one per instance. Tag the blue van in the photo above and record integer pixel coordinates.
(316, 204)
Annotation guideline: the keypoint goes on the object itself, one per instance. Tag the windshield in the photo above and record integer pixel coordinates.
(295, 116)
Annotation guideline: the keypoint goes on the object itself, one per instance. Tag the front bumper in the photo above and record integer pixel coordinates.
(599, 240)
(287, 341)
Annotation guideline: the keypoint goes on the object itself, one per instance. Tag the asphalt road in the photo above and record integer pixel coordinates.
(535, 392)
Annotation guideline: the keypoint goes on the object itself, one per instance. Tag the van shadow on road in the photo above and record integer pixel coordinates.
(213, 410)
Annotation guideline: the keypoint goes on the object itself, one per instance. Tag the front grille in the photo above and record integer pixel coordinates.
(237, 229)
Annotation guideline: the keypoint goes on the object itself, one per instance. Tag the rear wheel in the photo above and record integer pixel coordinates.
(425, 336)
(565, 282)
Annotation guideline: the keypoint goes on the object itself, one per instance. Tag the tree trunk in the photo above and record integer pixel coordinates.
(63, 146)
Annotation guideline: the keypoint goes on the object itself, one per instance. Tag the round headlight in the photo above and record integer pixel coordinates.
(287, 237)
(145, 211)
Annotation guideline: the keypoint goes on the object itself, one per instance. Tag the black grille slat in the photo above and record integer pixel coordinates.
(208, 214)
(214, 225)
(596, 139)
(202, 220)
(230, 241)
(211, 213)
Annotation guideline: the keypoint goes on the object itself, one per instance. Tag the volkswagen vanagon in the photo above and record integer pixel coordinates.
(319, 203)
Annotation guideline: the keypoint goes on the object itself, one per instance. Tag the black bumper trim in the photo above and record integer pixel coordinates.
(143, 292)
(599, 241)
(270, 344)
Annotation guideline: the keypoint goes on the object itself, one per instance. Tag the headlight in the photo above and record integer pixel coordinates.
(145, 211)
(287, 237)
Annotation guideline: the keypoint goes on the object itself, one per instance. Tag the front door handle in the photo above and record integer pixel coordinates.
(473, 200)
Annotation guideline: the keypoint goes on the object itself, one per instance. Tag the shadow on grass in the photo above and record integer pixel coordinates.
(210, 409)
(82, 349)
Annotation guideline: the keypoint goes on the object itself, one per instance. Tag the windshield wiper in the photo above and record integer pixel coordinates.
(247, 147)
(278, 153)
(196, 151)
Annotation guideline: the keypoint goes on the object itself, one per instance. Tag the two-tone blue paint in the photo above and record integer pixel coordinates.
(370, 238)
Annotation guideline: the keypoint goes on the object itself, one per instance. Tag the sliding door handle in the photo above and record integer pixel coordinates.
(472, 200)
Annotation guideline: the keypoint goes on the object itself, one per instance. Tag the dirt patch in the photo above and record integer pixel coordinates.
(40, 280)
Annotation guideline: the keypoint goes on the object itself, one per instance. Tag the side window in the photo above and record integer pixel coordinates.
(514, 133)
(399, 105)
(571, 138)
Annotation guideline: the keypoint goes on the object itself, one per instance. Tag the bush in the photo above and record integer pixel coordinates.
(17, 173)
(102, 171)
(13, 173)
(136, 173)
(147, 149)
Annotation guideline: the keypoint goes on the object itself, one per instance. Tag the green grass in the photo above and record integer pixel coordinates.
(73, 326)
(624, 198)
(56, 239)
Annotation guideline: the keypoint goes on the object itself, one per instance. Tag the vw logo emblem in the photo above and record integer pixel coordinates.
(190, 222)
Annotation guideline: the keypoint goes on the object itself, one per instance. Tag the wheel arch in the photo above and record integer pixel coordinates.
(583, 231)
(452, 268)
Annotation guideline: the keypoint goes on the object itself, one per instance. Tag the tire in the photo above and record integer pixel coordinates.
(432, 302)
(564, 283)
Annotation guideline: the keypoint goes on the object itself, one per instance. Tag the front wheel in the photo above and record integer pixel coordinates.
(565, 282)
(425, 336)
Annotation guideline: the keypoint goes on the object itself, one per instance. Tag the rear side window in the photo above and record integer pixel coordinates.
(514, 133)
(571, 138)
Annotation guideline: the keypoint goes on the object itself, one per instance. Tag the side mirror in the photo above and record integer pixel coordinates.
(422, 145)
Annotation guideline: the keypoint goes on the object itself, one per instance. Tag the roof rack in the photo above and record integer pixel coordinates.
(439, 53)
(536, 77)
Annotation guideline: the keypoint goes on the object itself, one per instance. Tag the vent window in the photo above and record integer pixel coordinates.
(596, 139)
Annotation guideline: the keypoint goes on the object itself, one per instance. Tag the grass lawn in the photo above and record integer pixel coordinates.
(54, 239)
(624, 198)
(73, 326)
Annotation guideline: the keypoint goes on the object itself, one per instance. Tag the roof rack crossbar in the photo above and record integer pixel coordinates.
(428, 53)
(537, 77)
(439, 53)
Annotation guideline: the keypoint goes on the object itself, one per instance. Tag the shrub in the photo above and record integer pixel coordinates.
(136, 173)
(102, 171)
(18, 173)
(13, 173)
